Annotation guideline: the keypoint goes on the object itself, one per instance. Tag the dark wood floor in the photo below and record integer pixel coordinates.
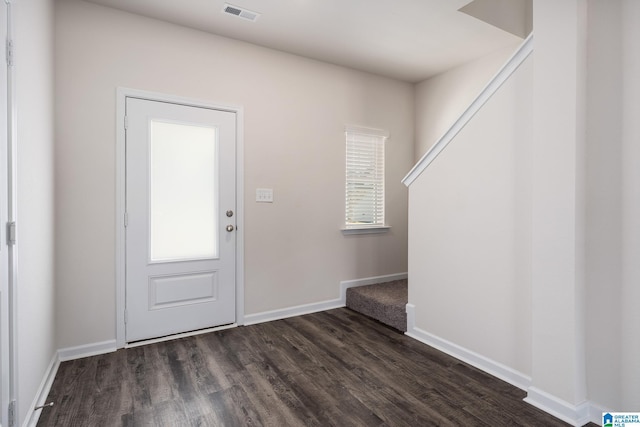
(335, 368)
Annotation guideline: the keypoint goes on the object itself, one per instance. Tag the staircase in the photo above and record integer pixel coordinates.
(384, 302)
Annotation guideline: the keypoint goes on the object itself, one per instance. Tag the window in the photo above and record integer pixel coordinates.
(365, 179)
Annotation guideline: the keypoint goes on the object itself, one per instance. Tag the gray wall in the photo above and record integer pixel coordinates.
(295, 113)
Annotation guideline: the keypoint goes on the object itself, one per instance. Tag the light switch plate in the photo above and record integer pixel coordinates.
(264, 195)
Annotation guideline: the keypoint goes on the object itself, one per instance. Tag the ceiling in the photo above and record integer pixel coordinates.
(409, 40)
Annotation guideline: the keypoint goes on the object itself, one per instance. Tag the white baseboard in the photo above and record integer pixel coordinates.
(596, 411)
(42, 392)
(481, 362)
(345, 284)
(268, 316)
(72, 353)
(62, 355)
(576, 415)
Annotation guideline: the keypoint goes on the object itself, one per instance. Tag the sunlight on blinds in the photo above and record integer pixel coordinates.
(364, 179)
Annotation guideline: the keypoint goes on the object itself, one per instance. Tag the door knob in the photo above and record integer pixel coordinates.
(229, 228)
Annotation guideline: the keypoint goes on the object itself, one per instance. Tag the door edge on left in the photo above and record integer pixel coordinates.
(8, 259)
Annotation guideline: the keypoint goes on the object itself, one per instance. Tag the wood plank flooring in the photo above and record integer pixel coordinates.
(334, 368)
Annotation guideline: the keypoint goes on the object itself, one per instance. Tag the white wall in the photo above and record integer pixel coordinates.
(606, 150)
(613, 209)
(35, 220)
(469, 246)
(630, 291)
(587, 109)
(581, 216)
(558, 218)
(441, 99)
(295, 112)
(604, 207)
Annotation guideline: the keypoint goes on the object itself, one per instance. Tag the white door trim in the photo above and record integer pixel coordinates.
(8, 254)
(121, 96)
(4, 259)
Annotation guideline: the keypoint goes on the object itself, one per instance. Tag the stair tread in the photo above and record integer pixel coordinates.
(384, 302)
(395, 292)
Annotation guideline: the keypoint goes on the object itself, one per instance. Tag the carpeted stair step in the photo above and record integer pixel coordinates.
(385, 302)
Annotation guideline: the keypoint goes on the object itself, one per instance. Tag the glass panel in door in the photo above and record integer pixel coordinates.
(183, 187)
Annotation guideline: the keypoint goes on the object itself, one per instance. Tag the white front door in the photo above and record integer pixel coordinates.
(180, 218)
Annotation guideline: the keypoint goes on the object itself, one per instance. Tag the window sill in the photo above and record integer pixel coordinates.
(365, 230)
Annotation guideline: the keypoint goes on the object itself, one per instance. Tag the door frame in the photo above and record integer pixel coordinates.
(121, 98)
(8, 211)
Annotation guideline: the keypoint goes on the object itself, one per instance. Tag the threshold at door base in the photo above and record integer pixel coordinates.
(180, 335)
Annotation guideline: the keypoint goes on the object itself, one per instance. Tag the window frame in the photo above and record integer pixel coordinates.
(376, 136)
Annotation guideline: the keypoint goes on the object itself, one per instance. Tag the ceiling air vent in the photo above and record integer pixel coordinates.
(240, 12)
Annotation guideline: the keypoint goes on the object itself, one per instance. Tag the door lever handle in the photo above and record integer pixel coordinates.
(229, 228)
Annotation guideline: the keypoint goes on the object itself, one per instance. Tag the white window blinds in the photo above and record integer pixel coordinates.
(365, 178)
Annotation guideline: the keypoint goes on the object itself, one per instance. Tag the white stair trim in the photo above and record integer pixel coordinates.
(346, 284)
(492, 87)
